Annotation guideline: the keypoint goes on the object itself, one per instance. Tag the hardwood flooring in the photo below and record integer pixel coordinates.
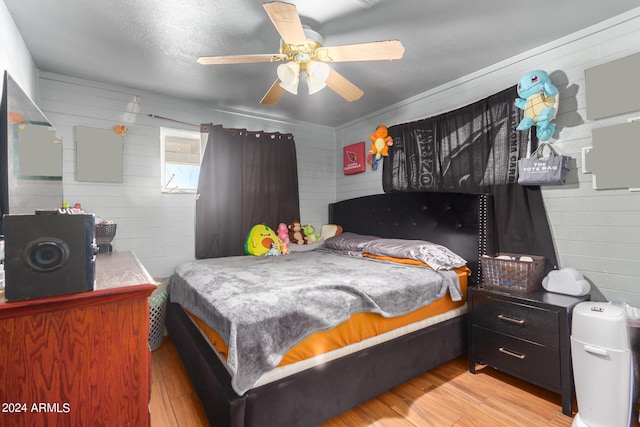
(446, 396)
(173, 401)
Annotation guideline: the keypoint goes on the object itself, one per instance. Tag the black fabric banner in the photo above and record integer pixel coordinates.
(475, 149)
(464, 150)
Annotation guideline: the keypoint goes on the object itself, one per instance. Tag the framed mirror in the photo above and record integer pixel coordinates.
(30, 154)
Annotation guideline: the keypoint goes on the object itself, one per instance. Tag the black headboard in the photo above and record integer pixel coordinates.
(454, 220)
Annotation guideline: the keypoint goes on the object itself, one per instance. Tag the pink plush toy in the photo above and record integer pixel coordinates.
(283, 233)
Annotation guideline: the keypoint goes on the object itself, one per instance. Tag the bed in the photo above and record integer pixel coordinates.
(317, 393)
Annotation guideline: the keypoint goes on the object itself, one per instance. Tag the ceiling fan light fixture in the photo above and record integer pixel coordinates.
(317, 75)
(304, 55)
(289, 75)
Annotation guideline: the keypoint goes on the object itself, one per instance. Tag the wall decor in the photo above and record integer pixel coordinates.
(354, 158)
(98, 155)
(612, 88)
(40, 151)
(380, 143)
(537, 97)
(613, 158)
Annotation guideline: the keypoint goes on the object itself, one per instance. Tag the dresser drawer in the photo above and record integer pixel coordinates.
(517, 319)
(532, 362)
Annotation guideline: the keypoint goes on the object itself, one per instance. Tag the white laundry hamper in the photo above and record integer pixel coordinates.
(602, 365)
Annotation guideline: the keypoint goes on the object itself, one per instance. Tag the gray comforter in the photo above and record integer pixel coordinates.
(262, 306)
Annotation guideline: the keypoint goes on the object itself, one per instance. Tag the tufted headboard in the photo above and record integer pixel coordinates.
(454, 220)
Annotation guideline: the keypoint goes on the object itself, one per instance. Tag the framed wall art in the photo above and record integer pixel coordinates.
(354, 158)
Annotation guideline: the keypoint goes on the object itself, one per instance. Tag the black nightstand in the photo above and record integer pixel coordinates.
(526, 335)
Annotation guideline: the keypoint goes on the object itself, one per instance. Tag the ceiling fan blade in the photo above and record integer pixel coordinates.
(285, 18)
(373, 51)
(273, 94)
(343, 87)
(240, 59)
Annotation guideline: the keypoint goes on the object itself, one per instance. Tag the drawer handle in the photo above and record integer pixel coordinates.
(510, 319)
(511, 353)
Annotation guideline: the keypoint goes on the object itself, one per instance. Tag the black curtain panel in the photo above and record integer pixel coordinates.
(470, 150)
(246, 178)
(520, 222)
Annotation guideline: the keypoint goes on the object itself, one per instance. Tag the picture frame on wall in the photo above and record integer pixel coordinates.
(354, 159)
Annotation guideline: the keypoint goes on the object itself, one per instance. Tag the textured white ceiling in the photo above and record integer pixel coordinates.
(326, 10)
(153, 45)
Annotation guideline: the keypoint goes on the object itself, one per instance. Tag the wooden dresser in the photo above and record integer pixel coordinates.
(81, 359)
(526, 335)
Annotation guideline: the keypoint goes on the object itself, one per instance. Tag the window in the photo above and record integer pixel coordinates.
(181, 153)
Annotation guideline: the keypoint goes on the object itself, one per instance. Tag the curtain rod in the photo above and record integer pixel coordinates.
(172, 120)
(155, 116)
(232, 131)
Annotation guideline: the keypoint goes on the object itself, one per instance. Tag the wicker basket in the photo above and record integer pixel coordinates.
(512, 274)
(105, 233)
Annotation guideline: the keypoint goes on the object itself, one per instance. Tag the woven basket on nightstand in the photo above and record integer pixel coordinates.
(513, 274)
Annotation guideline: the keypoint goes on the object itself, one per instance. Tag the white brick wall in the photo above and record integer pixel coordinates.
(159, 227)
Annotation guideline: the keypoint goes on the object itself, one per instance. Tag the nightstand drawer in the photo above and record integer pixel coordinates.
(532, 362)
(524, 321)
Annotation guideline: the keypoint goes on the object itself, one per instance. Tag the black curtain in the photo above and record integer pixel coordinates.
(246, 178)
(475, 149)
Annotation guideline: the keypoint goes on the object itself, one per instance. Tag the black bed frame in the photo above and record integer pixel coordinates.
(313, 396)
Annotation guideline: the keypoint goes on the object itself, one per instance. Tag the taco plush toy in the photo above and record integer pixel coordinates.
(538, 100)
(260, 240)
(380, 146)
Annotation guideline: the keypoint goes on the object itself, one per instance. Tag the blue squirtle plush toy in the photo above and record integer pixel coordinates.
(538, 100)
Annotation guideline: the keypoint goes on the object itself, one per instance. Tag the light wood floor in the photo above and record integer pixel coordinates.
(446, 396)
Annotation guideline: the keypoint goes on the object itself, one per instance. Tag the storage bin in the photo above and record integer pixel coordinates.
(105, 233)
(513, 274)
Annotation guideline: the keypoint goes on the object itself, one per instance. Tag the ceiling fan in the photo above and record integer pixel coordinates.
(302, 54)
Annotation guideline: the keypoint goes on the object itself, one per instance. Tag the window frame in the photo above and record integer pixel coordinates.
(167, 132)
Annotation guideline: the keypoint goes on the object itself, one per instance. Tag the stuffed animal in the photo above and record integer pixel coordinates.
(296, 234)
(310, 235)
(329, 230)
(538, 100)
(274, 251)
(380, 146)
(283, 233)
(260, 240)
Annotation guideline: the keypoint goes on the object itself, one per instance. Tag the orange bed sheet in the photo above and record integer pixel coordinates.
(358, 327)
